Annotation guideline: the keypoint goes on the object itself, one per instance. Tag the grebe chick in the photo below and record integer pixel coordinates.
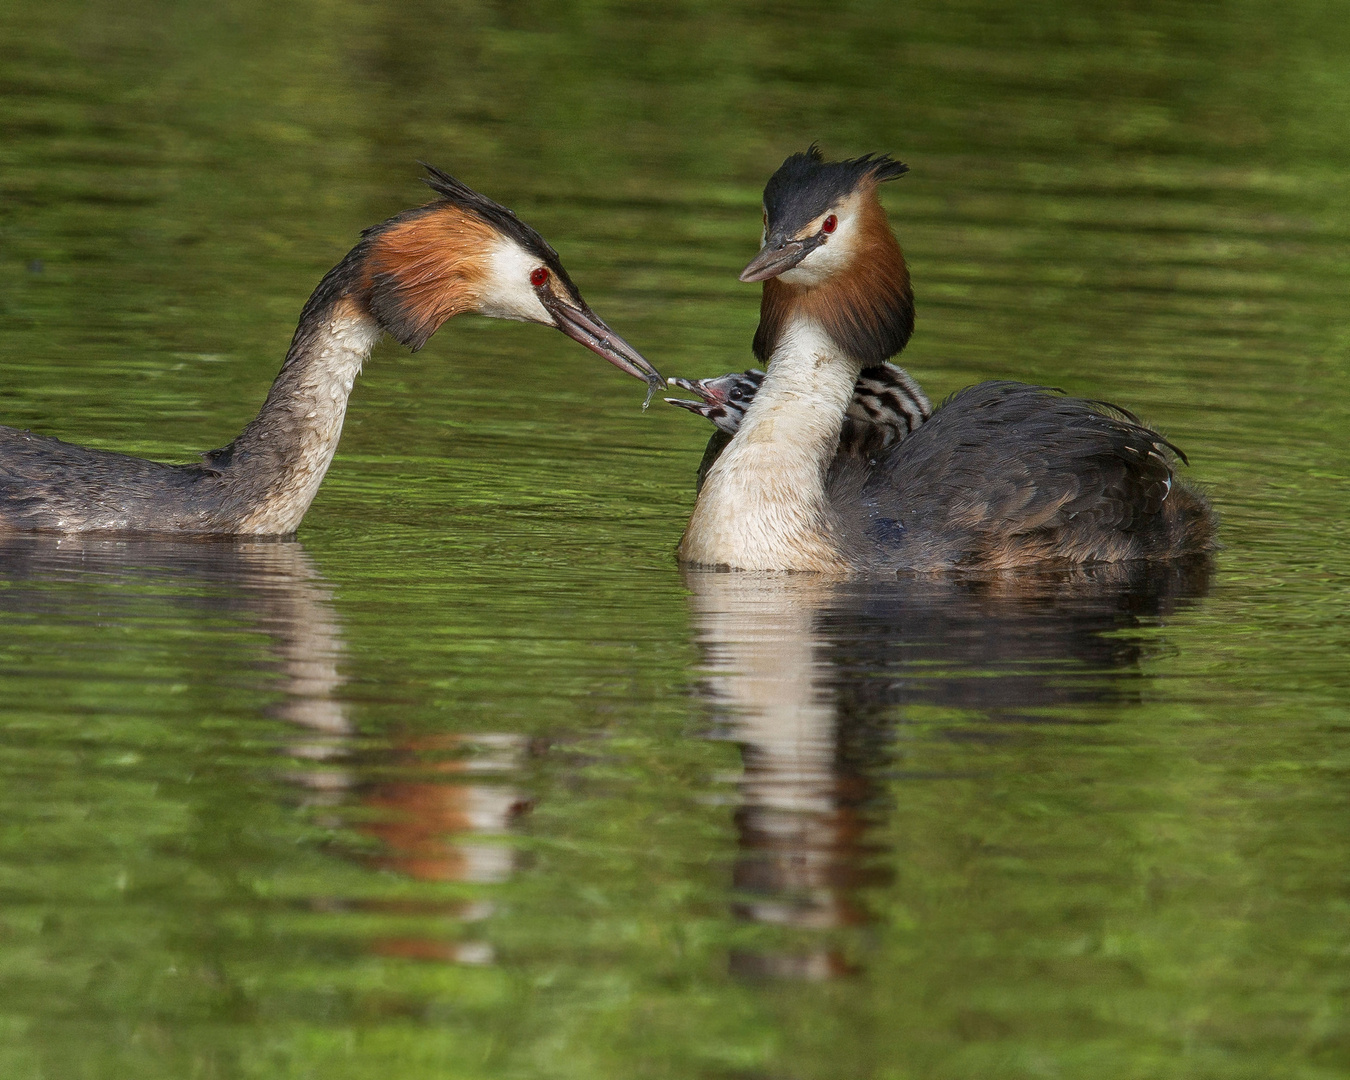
(887, 405)
(721, 400)
(460, 253)
(1003, 475)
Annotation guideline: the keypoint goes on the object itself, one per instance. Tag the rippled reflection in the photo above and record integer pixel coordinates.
(441, 828)
(811, 678)
(436, 805)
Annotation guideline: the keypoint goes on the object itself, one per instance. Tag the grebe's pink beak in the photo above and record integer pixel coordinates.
(583, 326)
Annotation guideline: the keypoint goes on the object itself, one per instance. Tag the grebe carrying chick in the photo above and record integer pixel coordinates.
(887, 405)
(460, 253)
(1002, 475)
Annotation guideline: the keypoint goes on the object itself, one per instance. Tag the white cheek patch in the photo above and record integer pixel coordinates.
(507, 292)
(830, 257)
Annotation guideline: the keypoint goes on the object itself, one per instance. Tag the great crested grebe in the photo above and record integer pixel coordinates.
(460, 253)
(887, 405)
(1002, 475)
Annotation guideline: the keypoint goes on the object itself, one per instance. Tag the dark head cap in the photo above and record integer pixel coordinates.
(421, 267)
(806, 186)
(499, 217)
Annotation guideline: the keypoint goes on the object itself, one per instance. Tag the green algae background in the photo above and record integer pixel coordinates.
(463, 783)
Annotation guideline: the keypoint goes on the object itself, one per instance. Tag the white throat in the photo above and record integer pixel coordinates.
(763, 504)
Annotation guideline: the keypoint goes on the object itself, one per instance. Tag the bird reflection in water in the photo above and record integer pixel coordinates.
(439, 829)
(810, 677)
(435, 805)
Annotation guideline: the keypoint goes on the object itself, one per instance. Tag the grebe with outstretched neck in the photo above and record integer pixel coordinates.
(1002, 475)
(887, 405)
(460, 253)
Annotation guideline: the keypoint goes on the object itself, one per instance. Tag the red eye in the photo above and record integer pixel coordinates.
(829, 224)
(538, 276)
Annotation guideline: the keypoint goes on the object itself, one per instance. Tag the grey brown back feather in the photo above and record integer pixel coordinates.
(1003, 470)
(47, 484)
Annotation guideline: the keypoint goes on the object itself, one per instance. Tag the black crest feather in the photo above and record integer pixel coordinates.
(806, 185)
(498, 216)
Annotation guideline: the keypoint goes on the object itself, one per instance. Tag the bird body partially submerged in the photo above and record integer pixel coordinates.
(763, 505)
(1003, 475)
(461, 253)
(1006, 475)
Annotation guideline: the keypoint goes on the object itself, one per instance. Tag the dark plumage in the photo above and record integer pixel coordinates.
(50, 485)
(887, 405)
(1003, 475)
(806, 186)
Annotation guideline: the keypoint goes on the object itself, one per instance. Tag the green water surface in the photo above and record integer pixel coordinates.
(470, 780)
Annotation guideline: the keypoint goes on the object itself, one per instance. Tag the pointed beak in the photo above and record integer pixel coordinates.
(777, 256)
(582, 325)
(713, 405)
(703, 408)
(695, 386)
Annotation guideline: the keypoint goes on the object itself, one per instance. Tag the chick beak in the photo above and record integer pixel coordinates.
(582, 325)
(699, 387)
(712, 405)
(777, 256)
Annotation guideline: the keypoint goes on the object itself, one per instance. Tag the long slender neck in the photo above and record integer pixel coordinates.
(406, 277)
(275, 466)
(763, 504)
